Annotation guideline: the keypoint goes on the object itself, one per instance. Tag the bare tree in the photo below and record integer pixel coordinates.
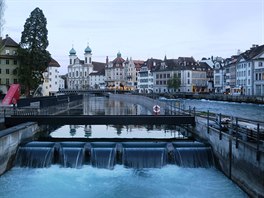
(2, 21)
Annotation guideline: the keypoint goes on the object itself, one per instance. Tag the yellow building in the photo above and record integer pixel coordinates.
(8, 63)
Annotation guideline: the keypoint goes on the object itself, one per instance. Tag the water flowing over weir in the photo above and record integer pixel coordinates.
(107, 154)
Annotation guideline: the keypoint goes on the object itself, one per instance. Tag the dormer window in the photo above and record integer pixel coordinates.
(7, 52)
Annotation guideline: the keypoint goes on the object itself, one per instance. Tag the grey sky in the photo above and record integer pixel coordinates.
(143, 29)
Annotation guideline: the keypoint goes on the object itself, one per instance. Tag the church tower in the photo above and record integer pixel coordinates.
(72, 56)
(88, 55)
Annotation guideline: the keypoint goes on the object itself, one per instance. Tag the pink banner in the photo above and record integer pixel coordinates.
(12, 96)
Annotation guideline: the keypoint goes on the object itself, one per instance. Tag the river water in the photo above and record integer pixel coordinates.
(168, 182)
(235, 109)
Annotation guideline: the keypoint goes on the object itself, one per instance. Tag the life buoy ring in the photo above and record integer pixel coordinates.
(156, 109)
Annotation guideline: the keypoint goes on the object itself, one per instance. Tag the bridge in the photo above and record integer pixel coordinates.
(101, 119)
(92, 91)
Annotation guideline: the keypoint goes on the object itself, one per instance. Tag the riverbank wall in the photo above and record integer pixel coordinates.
(9, 141)
(239, 160)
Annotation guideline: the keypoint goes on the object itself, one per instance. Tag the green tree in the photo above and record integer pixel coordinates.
(174, 83)
(34, 57)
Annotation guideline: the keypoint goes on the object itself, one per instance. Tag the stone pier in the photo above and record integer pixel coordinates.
(10, 139)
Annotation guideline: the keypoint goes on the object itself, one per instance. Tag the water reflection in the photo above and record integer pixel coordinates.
(119, 131)
(93, 105)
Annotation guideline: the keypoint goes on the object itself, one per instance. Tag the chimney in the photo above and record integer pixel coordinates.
(6, 35)
(238, 52)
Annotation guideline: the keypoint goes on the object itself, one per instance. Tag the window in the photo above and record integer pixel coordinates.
(7, 61)
(70, 61)
(7, 52)
(15, 81)
(7, 81)
(260, 64)
(15, 62)
(0, 70)
(7, 71)
(248, 72)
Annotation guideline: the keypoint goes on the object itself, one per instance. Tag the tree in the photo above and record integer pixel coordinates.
(174, 83)
(2, 21)
(34, 57)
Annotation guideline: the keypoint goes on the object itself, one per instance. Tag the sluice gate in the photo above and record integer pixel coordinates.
(108, 154)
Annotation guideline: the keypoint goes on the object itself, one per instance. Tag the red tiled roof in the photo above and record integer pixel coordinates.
(53, 63)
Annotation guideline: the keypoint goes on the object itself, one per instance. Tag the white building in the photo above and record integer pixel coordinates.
(145, 76)
(52, 81)
(79, 70)
(218, 77)
(97, 77)
(258, 76)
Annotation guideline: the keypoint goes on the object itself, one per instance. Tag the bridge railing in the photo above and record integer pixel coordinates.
(7, 111)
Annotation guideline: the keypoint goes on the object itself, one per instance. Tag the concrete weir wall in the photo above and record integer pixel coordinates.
(238, 160)
(10, 139)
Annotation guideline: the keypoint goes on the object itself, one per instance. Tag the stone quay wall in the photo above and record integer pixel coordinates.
(237, 159)
(9, 141)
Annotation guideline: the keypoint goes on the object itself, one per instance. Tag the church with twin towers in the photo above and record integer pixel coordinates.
(87, 74)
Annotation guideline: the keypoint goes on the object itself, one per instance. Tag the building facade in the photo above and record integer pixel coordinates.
(52, 81)
(97, 77)
(145, 76)
(115, 73)
(79, 70)
(132, 68)
(8, 63)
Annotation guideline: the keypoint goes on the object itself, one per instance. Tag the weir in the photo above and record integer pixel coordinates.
(107, 154)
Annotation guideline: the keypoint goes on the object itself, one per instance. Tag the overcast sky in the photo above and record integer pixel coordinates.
(142, 29)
